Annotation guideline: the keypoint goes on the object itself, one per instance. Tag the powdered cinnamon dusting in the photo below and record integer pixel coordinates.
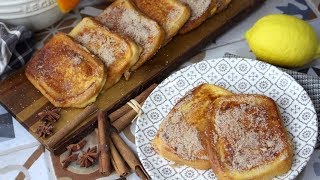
(198, 7)
(105, 47)
(129, 22)
(249, 141)
(174, 13)
(185, 145)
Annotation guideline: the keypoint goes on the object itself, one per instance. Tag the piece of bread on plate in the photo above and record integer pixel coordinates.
(170, 14)
(246, 138)
(66, 73)
(200, 11)
(118, 54)
(181, 133)
(124, 18)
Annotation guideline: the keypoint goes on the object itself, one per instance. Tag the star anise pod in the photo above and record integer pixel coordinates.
(77, 146)
(87, 158)
(49, 114)
(44, 130)
(68, 160)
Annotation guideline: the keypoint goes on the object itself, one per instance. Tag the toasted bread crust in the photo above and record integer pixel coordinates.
(123, 17)
(65, 73)
(117, 53)
(261, 152)
(222, 4)
(191, 122)
(170, 14)
(200, 11)
(168, 152)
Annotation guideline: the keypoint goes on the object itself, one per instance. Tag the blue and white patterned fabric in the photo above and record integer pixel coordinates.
(15, 50)
(6, 126)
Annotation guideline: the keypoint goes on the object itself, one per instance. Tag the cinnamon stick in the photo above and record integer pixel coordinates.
(53, 140)
(126, 108)
(129, 156)
(104, 145)
(124, 121)
(99, 147)
(141, 173)
(121, 123)
(118, 163)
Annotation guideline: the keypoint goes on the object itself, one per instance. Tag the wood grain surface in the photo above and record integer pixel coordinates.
(23, 101)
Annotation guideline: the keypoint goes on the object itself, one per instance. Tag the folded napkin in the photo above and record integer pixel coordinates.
(310, 83)
(15, 50)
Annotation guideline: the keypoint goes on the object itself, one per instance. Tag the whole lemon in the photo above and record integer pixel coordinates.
(283, 40)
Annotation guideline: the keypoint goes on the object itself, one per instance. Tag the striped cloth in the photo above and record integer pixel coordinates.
(15, 47)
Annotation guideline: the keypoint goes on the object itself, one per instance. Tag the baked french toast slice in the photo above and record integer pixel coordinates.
(66, 73)
(181, 134)
(118, 54)
(221, 5)
(170, 14)
(246, 138)
(124, 18)
(200, 11)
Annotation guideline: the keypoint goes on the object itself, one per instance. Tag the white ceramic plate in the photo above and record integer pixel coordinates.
(239, 76)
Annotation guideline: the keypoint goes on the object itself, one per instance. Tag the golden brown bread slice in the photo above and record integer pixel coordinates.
(66, 73)
(220, 6)
(246, 138)
(181, 133)
(123, 17)
(170, 14)
(117, 53)
(200, 11)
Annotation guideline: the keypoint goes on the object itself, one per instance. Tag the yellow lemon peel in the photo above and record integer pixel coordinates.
(283, 40)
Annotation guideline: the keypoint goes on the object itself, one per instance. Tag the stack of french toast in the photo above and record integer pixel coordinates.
(72, 69)
(240, 136)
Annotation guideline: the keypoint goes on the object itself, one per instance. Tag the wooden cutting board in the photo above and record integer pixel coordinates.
(23, 101)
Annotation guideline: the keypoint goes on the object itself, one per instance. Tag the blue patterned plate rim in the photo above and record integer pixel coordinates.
(239, 75)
